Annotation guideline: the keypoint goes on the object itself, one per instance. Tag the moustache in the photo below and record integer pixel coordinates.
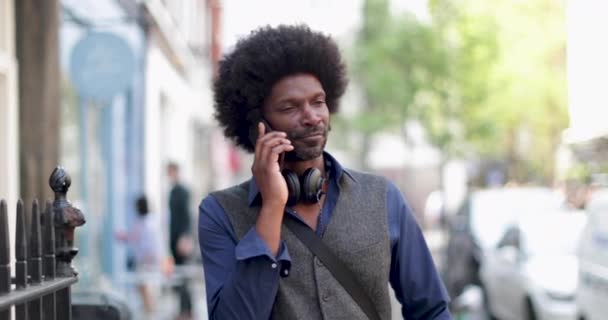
(307, 132)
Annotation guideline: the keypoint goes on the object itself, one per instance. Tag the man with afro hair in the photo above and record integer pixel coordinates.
(274, 94)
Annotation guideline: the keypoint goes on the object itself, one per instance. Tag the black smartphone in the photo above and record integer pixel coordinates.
(253, 130)
(266, 126)
(253, 135)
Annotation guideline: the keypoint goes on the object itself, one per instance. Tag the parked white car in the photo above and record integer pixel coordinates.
(592, 293)
(480, 222)
(532, 273)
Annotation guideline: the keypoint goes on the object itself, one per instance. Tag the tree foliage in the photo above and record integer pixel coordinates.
(401, 65)
(484, 78)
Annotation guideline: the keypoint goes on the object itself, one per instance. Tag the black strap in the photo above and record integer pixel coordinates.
(337, 268)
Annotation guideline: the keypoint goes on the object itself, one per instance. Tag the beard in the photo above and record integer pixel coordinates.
(307, 150)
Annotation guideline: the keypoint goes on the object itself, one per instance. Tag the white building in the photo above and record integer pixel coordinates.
(178, 99)
(116, 147)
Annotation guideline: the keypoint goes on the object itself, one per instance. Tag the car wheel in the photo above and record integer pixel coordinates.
(530, 312)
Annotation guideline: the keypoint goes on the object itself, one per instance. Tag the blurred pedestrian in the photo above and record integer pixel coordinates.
(180, 239)
(273, 97)
(144, 238)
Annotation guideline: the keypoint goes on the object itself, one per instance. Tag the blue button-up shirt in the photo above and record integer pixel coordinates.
(242, 276)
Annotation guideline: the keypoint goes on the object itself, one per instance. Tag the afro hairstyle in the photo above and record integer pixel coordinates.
(247, 74)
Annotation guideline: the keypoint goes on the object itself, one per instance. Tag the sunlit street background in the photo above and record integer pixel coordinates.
(490, 116)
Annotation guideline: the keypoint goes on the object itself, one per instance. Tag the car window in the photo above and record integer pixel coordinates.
(558, 234)
(510, 238)
(492, 211)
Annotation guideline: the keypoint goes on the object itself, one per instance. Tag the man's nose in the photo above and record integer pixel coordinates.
(310, 115)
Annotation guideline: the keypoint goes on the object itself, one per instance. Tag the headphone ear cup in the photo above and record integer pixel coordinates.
(293, 186)
(312, 185)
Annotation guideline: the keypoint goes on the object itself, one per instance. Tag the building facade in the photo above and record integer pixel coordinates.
(178, 100)
(136, 95)
(102, 45)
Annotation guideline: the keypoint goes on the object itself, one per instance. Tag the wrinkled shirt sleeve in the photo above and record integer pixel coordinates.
(241, 276)
(413, 275)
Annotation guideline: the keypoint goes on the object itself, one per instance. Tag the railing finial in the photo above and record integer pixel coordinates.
(66, 218)
(60, 180)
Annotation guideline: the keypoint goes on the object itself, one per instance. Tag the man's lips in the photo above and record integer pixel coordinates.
(318, 134)
(312, 137)
(309, 134)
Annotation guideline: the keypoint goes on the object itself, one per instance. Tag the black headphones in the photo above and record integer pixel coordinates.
(308, 188)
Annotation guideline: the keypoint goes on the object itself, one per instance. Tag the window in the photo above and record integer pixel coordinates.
(8, 119)
(8, 109)
(3, 133)
(510, 238)
(4, 25)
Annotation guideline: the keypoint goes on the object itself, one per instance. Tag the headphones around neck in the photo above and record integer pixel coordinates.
(308, 188)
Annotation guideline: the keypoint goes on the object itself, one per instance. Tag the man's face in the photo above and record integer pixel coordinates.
(296, 105)
(172, 173)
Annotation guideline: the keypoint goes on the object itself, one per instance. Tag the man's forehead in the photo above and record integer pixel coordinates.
(296, 86)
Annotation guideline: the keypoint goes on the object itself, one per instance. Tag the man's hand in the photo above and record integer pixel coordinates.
(266, 169)
(273, 188)
(185, 245)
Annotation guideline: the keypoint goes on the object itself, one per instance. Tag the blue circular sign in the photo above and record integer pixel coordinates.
(102, 65)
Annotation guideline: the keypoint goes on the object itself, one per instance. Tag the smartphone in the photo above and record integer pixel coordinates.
(253, 135)
(266, 126)
(253, 130)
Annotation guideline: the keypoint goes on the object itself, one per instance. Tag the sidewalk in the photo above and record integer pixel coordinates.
(166, 299)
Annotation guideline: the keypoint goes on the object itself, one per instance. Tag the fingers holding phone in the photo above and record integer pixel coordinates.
(269, 148)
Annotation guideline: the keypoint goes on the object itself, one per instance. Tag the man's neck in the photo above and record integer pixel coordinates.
(300, 166)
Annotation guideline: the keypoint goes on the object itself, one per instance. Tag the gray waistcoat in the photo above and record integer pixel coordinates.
(357, 234)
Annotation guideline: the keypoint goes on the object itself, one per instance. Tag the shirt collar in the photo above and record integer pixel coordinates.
(336, 172)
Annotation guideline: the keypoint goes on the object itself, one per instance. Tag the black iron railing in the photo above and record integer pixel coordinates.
(44, 249)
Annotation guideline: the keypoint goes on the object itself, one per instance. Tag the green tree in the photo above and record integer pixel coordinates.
(401, 64)
(510, 79)
(482, 83)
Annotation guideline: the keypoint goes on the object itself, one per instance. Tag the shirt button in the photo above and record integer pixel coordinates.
(274, 265)
(326, 298)
(318, 262)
